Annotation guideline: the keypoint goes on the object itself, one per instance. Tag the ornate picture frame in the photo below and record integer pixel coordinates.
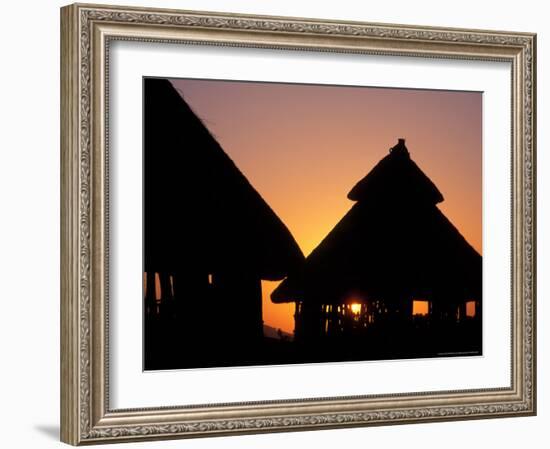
(87, 32)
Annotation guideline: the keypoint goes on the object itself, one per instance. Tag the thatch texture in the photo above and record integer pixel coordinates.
(200, 211)
(396, 178)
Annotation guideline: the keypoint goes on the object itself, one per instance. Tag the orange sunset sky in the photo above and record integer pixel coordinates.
(303, 147)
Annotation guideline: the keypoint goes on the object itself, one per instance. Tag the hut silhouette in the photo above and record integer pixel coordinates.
(394, 259)
(209, 237)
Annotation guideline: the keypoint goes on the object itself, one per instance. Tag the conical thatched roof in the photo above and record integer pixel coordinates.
(396, 177)
(199, 209)
(394, 241)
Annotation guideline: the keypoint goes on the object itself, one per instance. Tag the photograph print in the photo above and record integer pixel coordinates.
(301, 223)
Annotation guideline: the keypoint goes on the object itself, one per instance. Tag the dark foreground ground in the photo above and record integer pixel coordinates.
(166, 347)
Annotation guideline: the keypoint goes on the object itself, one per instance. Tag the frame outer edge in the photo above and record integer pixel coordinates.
(69, 129)
(81, 412)
(535, 307)
(533, 261)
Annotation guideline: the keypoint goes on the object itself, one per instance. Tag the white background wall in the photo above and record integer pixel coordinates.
(29, 226)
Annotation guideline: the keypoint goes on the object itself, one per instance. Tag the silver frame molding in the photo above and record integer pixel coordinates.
(86, 32)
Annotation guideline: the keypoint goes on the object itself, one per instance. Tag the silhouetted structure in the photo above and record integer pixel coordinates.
(208, 234)
(394, 267)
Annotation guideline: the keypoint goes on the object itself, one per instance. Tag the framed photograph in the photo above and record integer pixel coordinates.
(278, 224)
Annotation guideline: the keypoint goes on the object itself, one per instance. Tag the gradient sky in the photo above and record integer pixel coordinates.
(303, 147)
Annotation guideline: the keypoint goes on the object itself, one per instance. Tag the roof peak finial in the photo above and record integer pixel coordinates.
(400, 148)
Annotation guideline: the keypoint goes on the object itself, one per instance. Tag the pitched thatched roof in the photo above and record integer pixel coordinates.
(200, 210)
(394, 241)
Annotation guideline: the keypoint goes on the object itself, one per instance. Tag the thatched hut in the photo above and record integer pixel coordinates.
(393, 257)
(207, 232)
